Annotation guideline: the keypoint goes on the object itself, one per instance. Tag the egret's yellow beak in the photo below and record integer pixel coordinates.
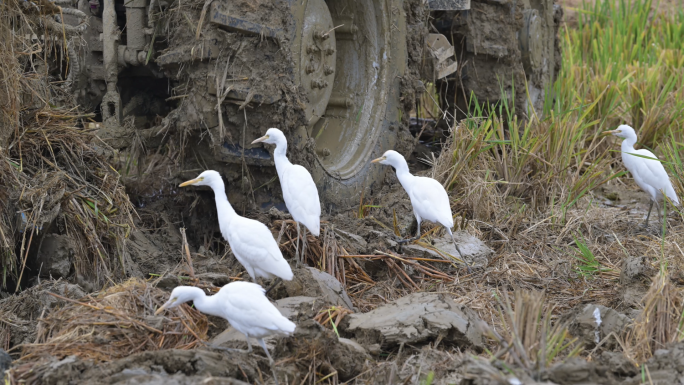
(611, 132)
(260, 139)
(164, 306)
(378, 160)
(190, 182)
(161, 309)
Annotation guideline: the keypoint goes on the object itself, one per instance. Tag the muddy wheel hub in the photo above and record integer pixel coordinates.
(318, 57)
(531, 43)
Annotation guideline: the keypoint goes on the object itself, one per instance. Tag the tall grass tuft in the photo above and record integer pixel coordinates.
(529, 341)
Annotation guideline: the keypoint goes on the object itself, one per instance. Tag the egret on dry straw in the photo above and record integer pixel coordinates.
(244, 305)
(299, 190)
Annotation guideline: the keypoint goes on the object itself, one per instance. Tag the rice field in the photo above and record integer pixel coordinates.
(547, 191)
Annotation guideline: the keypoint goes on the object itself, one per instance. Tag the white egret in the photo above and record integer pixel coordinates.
(251, 241)
(428, 198)
(649, 174)
(244, 305)
(299, 190)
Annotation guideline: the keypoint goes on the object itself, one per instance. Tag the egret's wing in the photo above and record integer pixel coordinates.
(431, 201)
(301, 197)
(253, 242)
(654, 174)
(246, 304)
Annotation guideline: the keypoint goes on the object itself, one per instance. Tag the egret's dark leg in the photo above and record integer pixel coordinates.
(459, 250)
(277, 281)
(263, 345)
(270, 360)
(411, 239)
(660, 217)
(299, 264)
(252, 274)
(305, 245)
(649, 213)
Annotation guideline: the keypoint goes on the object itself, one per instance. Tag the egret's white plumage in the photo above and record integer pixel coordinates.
(243, 304)
(251, 241)
(299, 190)
(429, 199)
(649, 174)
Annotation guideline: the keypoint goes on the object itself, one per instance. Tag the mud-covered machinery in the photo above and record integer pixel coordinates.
(340, 77)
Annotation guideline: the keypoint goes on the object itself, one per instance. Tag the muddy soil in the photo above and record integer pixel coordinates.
(425, 334)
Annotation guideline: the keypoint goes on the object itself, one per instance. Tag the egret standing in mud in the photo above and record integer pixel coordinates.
(428, 198)
(649, 174)
(244, 305)
(251, 241)
(299, 190)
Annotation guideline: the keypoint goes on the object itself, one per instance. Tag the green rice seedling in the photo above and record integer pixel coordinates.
(588, 265)
(428, 380)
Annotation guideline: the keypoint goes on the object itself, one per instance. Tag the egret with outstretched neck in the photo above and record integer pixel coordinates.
(428, 198)
(647, 171)
(299, 190)
(251, 241)
(244, 305)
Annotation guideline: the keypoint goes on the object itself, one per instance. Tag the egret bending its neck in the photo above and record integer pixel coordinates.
(200, 300)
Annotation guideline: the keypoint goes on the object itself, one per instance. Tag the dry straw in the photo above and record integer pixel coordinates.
(54, 173)
(113, 324)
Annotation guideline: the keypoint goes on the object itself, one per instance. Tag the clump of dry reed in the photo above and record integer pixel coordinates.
(115, 323)
(54, 172)
(659, 322)
(529, 342)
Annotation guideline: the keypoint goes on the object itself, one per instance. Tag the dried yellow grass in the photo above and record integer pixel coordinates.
(116, 323)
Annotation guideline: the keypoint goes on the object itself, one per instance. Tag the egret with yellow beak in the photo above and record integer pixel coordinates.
(429, 199)
(649, 174)
(251, 241)
(244, 305)
(299, 190)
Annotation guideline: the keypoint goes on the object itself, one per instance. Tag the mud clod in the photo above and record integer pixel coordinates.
(635, 270)
(22, 310)
(578, 371)
(472, 249)
(592, 323)
(665, 367)
(54, 256)
(163, 367)
(311, 282)
(312, 338)
(619, 365)
(635, 279)
(415, 319)
(298, 308)
(5, 361)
